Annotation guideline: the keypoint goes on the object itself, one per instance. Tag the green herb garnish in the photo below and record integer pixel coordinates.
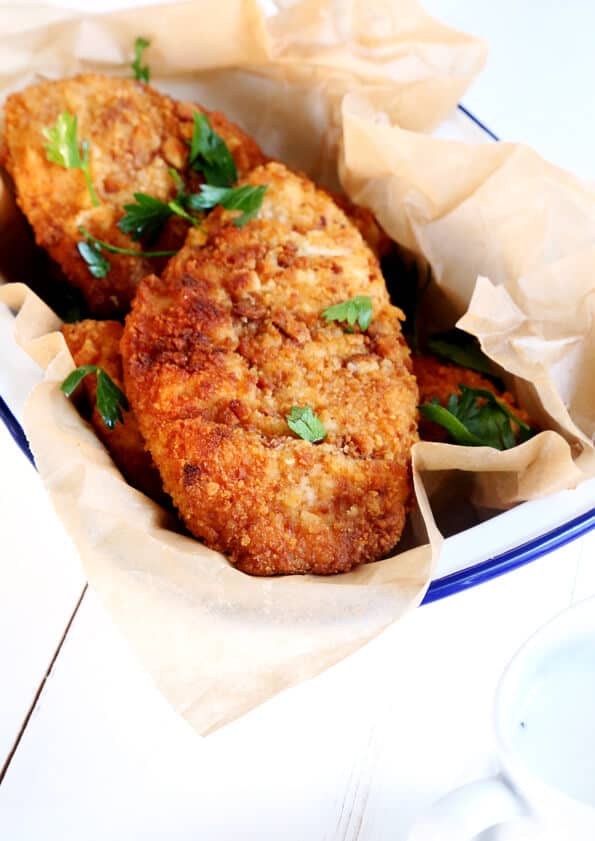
(145, 218)
(110, 399)
(306, 424)
(91, 254)
(115, 249)
(176, 208)
(178, 181)
(62, 148)
(209, 154)
(247, 199)
(141, 72)
(476, 418)
(461, 348)
(90, 250)
(355, 310)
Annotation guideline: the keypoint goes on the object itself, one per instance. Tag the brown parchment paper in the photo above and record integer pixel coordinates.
(511, 242)
(218, 642)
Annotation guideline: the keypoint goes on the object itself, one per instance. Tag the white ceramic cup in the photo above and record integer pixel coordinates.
(544, 721)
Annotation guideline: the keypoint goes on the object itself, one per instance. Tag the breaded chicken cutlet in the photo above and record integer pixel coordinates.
(135, 136)
(365, 221)
(218, 351)
(438, 380)
(98, 343)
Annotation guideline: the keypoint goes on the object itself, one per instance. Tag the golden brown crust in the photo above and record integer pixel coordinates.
(98, 343)
(365, 221)
(218, 351)
(438, 380)
(135, 134)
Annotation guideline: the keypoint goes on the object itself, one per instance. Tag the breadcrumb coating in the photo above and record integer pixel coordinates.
(438, 380)
(365, 221)
(218, 351)
(135, 136)
(98, 343)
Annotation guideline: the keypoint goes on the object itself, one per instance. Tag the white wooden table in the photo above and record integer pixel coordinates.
(90, 750)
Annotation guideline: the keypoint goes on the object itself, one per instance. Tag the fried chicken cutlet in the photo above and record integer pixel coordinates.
(366, 223)
(135, 136)
(438, 380)
(218, 351)
(98, 343)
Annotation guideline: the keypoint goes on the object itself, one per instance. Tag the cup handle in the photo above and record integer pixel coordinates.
(465, 812)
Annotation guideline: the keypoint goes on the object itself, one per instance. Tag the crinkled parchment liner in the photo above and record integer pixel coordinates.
(511, 242)
(317, 78)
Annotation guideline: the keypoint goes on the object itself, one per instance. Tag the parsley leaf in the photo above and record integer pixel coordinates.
(306, 424)
(476, 418)
(110, 399)
(141, 72)
(358, 309)
(176, 207)
(461, 348)
(247, 199)
(62, 148)
(91, 254)
(177, 179)
(115, 249)
(144, 218)
(90, 250)
(209, 154)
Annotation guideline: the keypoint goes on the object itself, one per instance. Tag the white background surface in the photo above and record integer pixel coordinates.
(355, 753)
(537, 86)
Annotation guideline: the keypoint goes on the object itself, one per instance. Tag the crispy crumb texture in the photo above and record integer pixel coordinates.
(135, 135)
(218, 351)
(98, 343)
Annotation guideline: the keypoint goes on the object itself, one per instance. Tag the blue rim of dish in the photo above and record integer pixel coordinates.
(478, 122)
(455, 582)
(511, 559)
(16, 430)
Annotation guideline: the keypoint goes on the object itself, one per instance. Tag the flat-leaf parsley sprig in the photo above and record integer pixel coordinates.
(461, 348)
(303, 421)
(62, 148)
(91, 253)
(476, 418)
(142, 72)
(355, 310)
(91, 247)
(210, 154)
(248, 199)
(146, 216)
(111, 400)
